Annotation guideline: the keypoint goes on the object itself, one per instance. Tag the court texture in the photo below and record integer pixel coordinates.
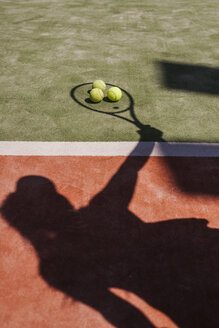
(109, 212)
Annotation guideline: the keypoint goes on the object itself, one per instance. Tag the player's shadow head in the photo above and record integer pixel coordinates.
(80, 94)
(27, 208)
(190, 78)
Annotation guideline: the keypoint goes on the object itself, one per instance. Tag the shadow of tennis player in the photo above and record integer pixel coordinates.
(172, 265)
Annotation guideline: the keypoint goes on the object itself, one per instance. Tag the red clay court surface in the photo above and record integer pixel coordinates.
(178, 285)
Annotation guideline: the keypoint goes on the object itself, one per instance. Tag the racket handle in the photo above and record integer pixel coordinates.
(148, 133)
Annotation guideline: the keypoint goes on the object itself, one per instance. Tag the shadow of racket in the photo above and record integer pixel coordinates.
(116, 109)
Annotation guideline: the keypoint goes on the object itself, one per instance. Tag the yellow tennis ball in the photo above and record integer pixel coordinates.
(99, 84)
(114, 94)
(96, 95)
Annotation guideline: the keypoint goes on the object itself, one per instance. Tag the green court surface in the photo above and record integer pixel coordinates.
(50, 47)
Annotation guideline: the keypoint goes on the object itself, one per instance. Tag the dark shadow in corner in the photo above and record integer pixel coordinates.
(201, 79)
(195, 175)
(172, 265)
(192, 78)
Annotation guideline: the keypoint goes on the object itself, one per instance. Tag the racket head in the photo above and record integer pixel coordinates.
(120, 109)
(80, 94)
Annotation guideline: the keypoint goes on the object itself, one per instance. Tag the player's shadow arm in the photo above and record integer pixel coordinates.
(120, 189)
(188, 77)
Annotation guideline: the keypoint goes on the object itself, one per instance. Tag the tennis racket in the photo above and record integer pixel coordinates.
(124, 109)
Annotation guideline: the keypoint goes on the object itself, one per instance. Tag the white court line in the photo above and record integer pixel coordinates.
(29, 148)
